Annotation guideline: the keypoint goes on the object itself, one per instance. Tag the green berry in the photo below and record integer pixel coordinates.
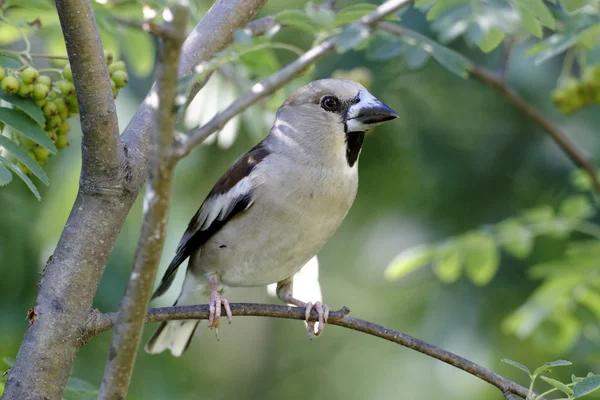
(52, 123)
(113, 86)
(67, 88)
(10, 85)
(25, 89)
(72, 104)
(40, 103)
(44, 80)
(117, 66)
(2, 73)
(61, 104)
(120, 79)
(63, 129)
(50, 109)
(41, 155)
(108, 57)
(23, 168)
(26, 143)
(40, 91)
(51, 133)
(29, 75)
(68, 73)
(61, 142)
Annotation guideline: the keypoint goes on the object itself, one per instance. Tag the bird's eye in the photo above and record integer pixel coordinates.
(330, 103)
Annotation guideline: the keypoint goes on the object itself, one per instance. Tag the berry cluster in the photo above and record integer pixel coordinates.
(56, 99)
(573, 94)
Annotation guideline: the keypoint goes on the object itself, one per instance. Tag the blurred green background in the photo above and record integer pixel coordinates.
(458, 157)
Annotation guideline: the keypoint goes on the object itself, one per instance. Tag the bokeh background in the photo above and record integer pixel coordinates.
(458, 157)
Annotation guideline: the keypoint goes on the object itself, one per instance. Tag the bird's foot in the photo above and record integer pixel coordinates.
(323, 311)
(214, 307)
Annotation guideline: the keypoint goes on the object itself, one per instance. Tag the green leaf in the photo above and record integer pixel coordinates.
(558, 385)
(447, 264)
(539, 215)
(581, 179)
(515, 238)
(572, 5)
(22, 156)
(575, 379)
(424, 3)
(9, 62)
(5, 175)
(442, 5)
(28, 106)
(590, 299)
(383, 50)
(531, 24)
(408, 261)
(351, 37)
(23, 123)
(588, 385)
(321, 16)
(491, 40)
(21, 175)
(539, 11)
(551, 47)
(296, 19)
(481, 257)
(449, 59)
(550, 365)
(353, 13)
(576, 207)
(139, 49)
(415, 57)
(517, 365)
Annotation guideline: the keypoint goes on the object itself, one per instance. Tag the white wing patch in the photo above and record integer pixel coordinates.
(218, 207)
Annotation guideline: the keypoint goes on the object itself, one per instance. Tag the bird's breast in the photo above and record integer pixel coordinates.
(294, 213)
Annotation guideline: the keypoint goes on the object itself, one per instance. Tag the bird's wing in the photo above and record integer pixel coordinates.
(231, 195)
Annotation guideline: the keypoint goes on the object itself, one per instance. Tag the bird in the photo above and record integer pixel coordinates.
(276, 207)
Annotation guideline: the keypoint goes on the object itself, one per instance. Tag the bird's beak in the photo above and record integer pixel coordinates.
(367, 113)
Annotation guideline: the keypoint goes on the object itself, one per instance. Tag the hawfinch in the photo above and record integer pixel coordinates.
(276, 207)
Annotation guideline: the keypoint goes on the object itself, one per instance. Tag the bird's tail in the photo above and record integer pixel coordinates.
(176, 336)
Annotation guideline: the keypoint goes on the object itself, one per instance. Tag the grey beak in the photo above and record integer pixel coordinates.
(375, 114)
(367, 113)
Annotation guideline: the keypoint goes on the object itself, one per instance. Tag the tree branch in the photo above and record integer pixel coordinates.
(101, 147)
(130, 320)
(277, 80)
(99, 323)
(499, 84)
(68, 287)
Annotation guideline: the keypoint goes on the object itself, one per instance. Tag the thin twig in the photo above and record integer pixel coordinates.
(277, 80)
(499, 84)
(99, 323)
(130, 320)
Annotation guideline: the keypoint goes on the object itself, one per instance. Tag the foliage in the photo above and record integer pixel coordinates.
(476, 254)
(577, 388)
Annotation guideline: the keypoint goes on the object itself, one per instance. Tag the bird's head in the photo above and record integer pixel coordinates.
(327, 114)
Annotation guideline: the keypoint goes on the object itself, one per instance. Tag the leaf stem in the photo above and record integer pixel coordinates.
(49, 56)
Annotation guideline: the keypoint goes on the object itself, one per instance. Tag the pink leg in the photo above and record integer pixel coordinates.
(284, 292)
(215, 303)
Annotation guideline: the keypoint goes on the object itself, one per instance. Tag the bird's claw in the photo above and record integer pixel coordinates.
(323, 312)
(214, 307)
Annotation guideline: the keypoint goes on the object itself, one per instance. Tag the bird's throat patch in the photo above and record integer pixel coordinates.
(354, 141)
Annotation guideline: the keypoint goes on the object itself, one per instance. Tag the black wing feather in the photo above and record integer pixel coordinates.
(195, 238)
